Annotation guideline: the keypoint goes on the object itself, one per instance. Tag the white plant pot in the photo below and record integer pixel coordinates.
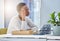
(56, 30)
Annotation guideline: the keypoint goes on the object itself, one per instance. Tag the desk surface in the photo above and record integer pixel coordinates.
(33, 36)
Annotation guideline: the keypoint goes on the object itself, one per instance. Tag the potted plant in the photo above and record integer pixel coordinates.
(55, 20)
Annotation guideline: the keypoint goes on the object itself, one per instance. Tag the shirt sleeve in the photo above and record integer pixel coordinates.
(13, 25)
(32, 25)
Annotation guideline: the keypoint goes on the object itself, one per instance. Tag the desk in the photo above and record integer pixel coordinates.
(29, 38)
(53, 38)
(23, 37)
(33, 36)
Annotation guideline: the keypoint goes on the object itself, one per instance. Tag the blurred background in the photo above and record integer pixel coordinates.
(1, 13)
(39, 10)
(10, 10)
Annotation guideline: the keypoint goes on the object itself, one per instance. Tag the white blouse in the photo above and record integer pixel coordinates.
(17, 24)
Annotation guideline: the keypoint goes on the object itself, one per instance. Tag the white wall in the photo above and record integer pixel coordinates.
(10, 10)
(1, 13)
(47, 7)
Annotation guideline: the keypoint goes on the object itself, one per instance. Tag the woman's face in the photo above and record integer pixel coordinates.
(24, 11)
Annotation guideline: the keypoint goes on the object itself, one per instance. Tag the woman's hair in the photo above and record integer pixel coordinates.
(19, 6)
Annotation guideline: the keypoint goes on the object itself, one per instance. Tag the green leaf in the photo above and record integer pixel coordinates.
(52, 16)
(59, 16)
(49, 21)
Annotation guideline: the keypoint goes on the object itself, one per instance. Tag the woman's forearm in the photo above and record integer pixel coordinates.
(28, 32)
